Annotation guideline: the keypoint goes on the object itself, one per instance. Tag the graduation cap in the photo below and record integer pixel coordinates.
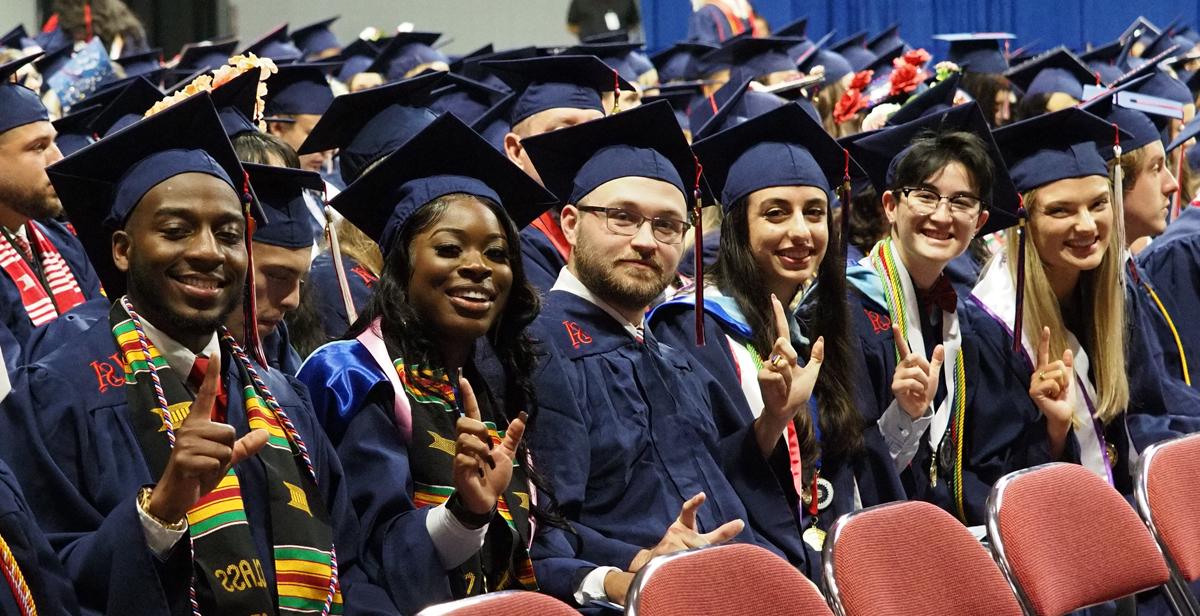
(466, 98)
(275, 45)
(795, 29)
(53, 60)
(935, 99)
(854, 49)
(556, 82)
(73, 132)
(784, 147)
(474, 68)
(299, 89)
(749, 57)
(1022, 54)
(1103, 60)
(456, 62)
(680, 99)
(445, 157)
(204, 56)
(835, 64)
(978, 52)
(1054, 71)
(279, 191)
(53, 38)
(85, 71)
(880, 152)
(406, 52)
(681, 61)
(1160, 84)
(17, 39)
(1164, 40)
(127, 108)
(739, 104)
(890, 37)
(141, 63)
(1190, 130)
(18, 105)
(1140, 29)
(493, 124)
(616, 36)
(102, 184)
(369, 124)
(882, 64)
(314, 39)
(1145, 118)
(1070, 143)
(616, 55)
(355, 58)
(235, 101)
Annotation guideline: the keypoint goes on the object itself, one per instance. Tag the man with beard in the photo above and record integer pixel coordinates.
(46, 272)
(154, 509)
(628, 429)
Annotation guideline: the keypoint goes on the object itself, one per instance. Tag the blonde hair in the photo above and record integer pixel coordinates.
(1102, 290)
(359, 246)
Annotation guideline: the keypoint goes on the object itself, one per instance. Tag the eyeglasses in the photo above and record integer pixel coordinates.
(625, 222)
(924, 202)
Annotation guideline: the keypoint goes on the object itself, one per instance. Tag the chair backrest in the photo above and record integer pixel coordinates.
(1067, 540)
(506, 602)
(1168, 481)
(911, 558)
(727, 580)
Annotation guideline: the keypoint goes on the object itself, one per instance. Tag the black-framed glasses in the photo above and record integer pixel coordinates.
(625, 222)
(925, 201)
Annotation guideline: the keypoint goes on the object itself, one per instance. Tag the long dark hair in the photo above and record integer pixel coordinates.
(737, 275)
(983, 87)
(409, 333)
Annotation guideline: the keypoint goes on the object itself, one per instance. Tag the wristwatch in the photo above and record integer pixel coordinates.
(467, 517)
(143, 503)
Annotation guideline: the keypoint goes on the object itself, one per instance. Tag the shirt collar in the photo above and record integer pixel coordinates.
(179, 357)
(568, 282)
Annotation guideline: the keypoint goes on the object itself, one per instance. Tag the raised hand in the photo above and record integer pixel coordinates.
(915, 382)
(785, 386)
(682, 535)
(482, 471)
(1050, 388)
(204, 452)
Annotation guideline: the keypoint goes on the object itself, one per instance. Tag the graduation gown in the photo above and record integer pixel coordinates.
(74, 449)
(1171, 266)
(542, 259)
(323, 279)
(277, 346)
(709, 24)
(868, 479)
(48, 584)
(627, 430)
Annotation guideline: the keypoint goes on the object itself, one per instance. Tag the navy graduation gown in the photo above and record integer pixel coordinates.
(48, 584)
(541, 258)
(277, 346)
(626, 431)
(73, 448)
(872, 473)
(323, 279)
(1171, 265)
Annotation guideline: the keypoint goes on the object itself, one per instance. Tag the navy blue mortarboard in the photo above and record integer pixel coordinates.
(457, 62)
(854, 49)
(53, 38)
(127, 108)
(355, 58)
(835, 64)
(641, 142)
(794, 29)
(681, 61)
(466, 98)
(1070, 143)
(204, 56)
(977, 52)
(73, 131)
(1190, 130)
(445, 157)
(1165, 40)
(1055, 71)
(1103, 60)
(1143, 117)
(369, 124)
(749, 58)
(784, 147)
(275, 45)
(17, 39)
(407, 52)
(555, 82)
(616, 55)
(936, 99)
(18, 105)
(279, 191)
(1022, 54)
(1189, 33)
(101, 184)
(1160, 84)
(85, 71)
(882, 64)
(314, 39)
(141, 63)
(299, 89)
(493, 124)
(680, 99)
(616, 36)
(53, 60)
(1140, 30)
(886, 39)
(474, 68)
(740, 104)
(235, 101)
(880, 153)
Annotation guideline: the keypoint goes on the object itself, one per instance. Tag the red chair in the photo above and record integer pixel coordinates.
(506, 602)
(726, 580)
(911, 558)
(1168, 480)
(1067, 540)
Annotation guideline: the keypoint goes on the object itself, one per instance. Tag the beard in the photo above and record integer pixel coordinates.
(29, 201)
(615, 285)
(154, 307)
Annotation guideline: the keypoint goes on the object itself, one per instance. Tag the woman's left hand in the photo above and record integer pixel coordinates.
(482, 470)
(785, 386)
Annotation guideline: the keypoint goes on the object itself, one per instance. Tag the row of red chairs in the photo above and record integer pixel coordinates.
(1061, 539)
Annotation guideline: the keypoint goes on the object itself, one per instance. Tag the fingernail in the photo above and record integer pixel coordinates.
(523, 416)
(460, 376)
(491, 462)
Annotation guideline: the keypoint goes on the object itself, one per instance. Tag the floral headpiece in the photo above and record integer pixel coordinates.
(206, 83)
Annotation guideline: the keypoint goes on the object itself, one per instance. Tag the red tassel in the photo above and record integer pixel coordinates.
(845, 197)
(1020, 308)
(50, 24)
(250, 305)
(87, 20)
(616, 92)
(698, 255)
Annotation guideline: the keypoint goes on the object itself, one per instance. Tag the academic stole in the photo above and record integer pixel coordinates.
(949, 418)
(47, 294)
(228, 577)
(503, 562)
(16, 580)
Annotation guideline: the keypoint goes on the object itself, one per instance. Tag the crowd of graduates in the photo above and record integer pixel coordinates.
(316, 326)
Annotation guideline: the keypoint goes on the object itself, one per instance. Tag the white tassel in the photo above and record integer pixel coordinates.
(335, 250)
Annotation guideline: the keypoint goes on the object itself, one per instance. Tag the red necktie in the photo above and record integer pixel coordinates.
(196, 377)
(941, 294)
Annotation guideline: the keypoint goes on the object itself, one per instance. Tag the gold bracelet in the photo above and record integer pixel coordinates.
(144, 504)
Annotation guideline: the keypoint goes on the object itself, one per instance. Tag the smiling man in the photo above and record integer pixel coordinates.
(45, 271)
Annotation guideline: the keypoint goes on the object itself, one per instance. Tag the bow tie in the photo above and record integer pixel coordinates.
(941, 294)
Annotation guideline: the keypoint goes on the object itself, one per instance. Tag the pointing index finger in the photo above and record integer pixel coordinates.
(206, 398)
(469, 404)
(781, 324)
(1044, 347)
(901, 343)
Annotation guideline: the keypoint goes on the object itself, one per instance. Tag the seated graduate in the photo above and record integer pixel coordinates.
(941, 181)
(775, 175)
(435, 467)
(1059, 292)
(633, 430)
(146, 502)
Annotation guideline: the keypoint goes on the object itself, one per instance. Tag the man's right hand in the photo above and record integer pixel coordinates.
(682, 535)
(204, 452)
(915, 383)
